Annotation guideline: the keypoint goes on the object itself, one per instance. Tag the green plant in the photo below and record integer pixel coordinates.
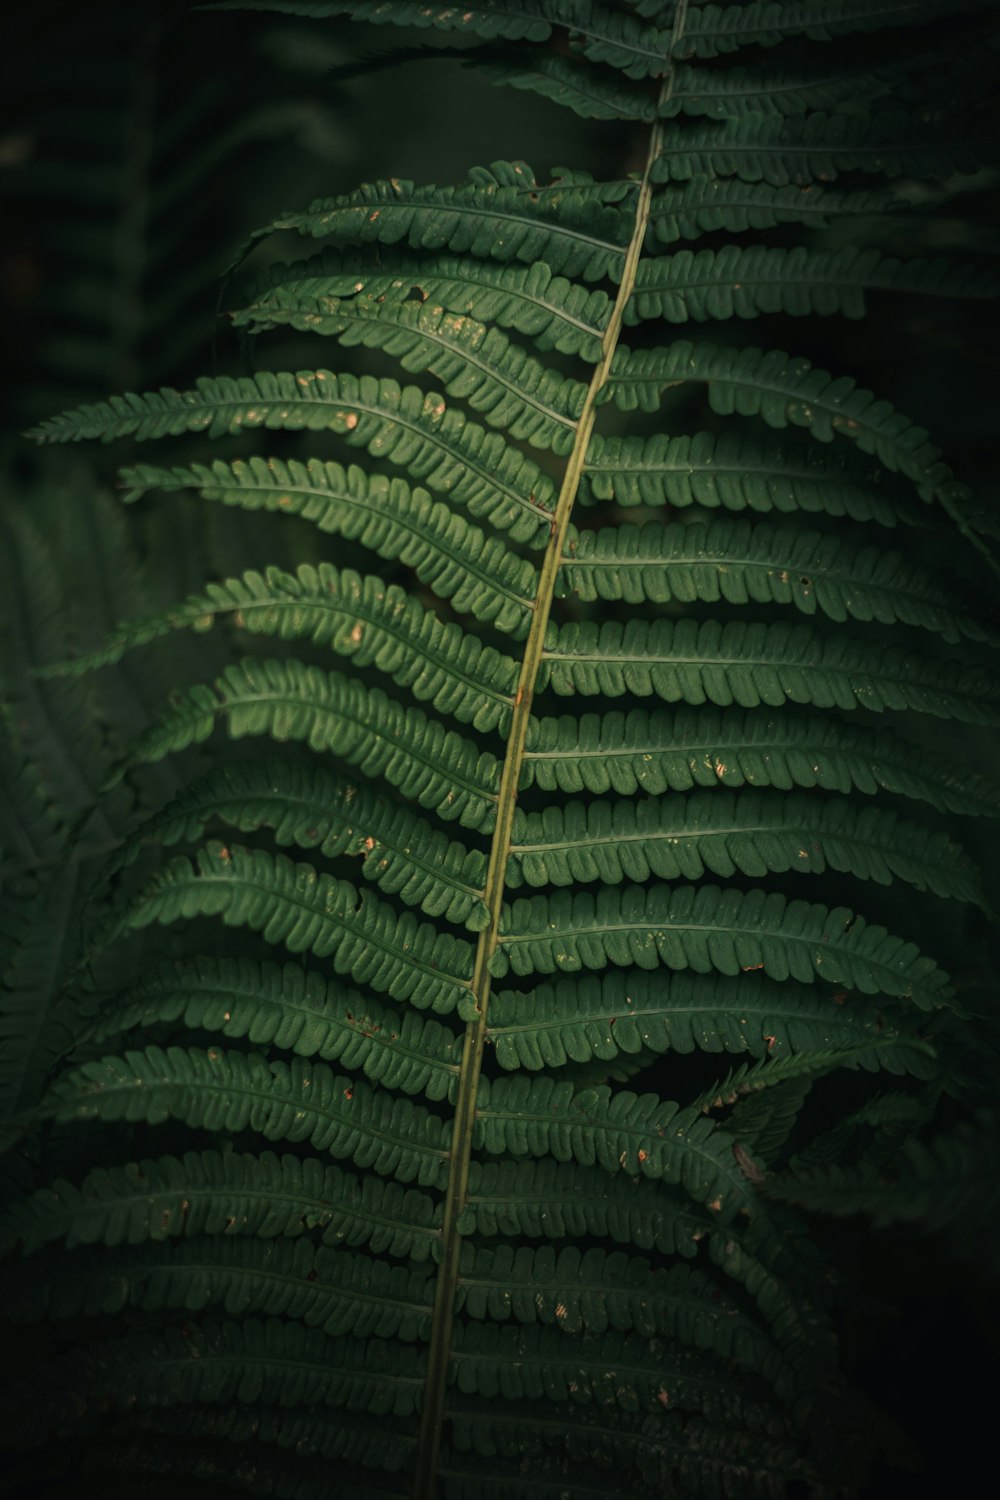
(583, 749)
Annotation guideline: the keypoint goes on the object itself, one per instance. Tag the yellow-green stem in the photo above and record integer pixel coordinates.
(475, 1036)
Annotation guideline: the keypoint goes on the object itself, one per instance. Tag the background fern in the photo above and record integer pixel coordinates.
(481, 1124)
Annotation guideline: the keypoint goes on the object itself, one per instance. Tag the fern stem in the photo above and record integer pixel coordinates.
(475, 1036)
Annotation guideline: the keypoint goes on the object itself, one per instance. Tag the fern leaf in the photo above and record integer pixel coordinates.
(406, 425)
(705, 928)
(795, 87)
(788, 392)
(626, 1370)
(591, 1016)
(288, 1008)
(364, 619)
(754, 663)
(507, 386)
(144, 1460)
(601, 33)
(725, 833)
(660, 751)
(555, 313)
(713, 30)
(320, 1286)
(745, 283)
(291, 904)
(736, 472)
(705, 204)
(288, 701)
(528, 1285)
(820, 147)
(389, 517)
(226, 1193)
(494, 216)
(296, 1101)
(310, 808)
(593, 93)
(281, 1363)
(678, 1452)
(329, 1434)
(742, 564)
(546, 1199)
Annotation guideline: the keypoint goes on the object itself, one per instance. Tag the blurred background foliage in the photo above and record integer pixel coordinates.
(139, 146)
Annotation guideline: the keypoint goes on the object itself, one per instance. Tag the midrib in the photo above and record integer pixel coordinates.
(439, 1351)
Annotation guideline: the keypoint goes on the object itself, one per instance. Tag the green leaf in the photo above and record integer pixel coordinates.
(603, 1016)
(389, 517)
(288, 701)
(746, 282)
(503, 213)
(732, 833)
(307, 912)
(310, 808)
(713, 30)
(785, 392)
(750, 664)
(362, 618)
(822, 146)
(706, 203)
(737, 472)
(287, 1008)
(659, 751)
(231, 1091)
(510, 388)
(554, 313)
(323, 1287)
(705, 928)
(406, 425)
(742, 563)
(226, 1193)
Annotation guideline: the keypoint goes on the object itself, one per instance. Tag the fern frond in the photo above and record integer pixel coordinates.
(406, 425)
(554, 312)
(307, 912)
(601, 33)
(593, 93)
(546, 1199)
(715, 29)
(271, 1360)
(324, 1433)
(295, 1101)
(750, 664)
(311, 808)
(785, 392)
(736, 472)
(705, 928)
(681, 1453)
(389, 517)
(725, 833)
(742, 282)
(743, 563)
(287, 1008)
(288, 701)
(947, 1182)
(591, 1016)
(226, 1193)
(362, 618)
(820, 147)
(705, 203)
(493, 216)
(809, 81)
(319, 1286)
(658, 751)
(509, 387)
